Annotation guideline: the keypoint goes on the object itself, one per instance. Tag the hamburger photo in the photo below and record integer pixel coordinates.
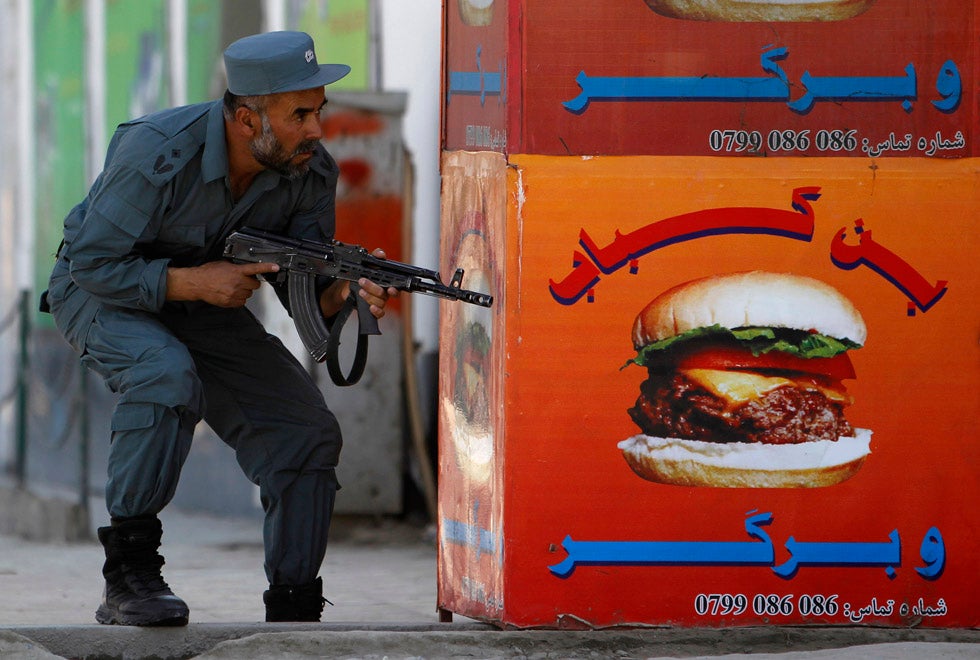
(745, 385)
(760, 10)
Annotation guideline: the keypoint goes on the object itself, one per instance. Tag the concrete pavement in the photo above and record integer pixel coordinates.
(381, 577)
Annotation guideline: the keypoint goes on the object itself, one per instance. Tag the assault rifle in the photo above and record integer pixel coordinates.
(301, 261)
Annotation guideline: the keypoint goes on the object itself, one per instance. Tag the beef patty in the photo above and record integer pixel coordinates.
(671, 405)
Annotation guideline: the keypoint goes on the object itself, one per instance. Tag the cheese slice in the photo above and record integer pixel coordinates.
(738, 387)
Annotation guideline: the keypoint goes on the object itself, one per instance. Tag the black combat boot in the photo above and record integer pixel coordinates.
(294, 603)
(135, 593)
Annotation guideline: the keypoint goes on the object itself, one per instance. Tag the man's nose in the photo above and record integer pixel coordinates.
(314, 131)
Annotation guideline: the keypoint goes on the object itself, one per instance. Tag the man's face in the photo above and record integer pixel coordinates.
(290, 132)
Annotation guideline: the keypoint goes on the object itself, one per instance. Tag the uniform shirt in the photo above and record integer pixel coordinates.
(164, 199)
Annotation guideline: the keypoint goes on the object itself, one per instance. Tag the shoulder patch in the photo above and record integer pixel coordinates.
(168, 158)
(179, 133)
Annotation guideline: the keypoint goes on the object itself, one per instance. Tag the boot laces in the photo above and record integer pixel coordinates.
(143, 576)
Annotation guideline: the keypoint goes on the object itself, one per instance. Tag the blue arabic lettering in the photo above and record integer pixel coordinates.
(775, 87)
(933, 553)
(842, 554)
(949, 86)
(689, 553)
(471, 535)
(759, 552)
(700, 88)
(859, 88)
(477, 82)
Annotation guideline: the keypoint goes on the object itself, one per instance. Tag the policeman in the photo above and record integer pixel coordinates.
(141, 292)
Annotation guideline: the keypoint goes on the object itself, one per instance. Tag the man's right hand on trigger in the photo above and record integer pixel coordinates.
(219, 283)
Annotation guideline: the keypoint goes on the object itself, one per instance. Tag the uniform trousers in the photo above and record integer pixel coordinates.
(195, 361)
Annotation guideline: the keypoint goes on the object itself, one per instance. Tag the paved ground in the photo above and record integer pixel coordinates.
(375, 571)
(381, 578)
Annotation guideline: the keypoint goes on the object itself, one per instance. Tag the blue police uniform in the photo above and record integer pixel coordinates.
(163, 200)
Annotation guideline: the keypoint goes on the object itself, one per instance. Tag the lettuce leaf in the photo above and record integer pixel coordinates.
(755, 339)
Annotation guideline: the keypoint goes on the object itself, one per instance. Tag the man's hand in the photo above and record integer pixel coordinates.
(333, 297)
(220, 283)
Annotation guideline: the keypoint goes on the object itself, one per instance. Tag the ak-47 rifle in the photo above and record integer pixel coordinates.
(301, 261)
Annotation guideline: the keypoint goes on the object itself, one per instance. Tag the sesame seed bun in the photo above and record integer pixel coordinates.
(750, 299)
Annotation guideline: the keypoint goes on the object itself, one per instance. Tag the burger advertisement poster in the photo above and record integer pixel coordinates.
(714, 390)
(717, 395)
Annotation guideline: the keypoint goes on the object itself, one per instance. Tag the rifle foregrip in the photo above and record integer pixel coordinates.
(366, 323)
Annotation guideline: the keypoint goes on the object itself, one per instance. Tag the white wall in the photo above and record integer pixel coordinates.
(410, 60)
(16, 201)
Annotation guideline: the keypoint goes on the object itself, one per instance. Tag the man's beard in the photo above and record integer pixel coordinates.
(271, 154)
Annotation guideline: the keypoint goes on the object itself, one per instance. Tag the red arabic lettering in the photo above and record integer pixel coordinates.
(887, 264)
(584, 276)
(627, 248)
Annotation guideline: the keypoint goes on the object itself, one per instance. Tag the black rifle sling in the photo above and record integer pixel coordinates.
(323, 343)
(332, 356)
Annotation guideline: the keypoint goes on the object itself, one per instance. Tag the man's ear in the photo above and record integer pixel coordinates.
(246, 120)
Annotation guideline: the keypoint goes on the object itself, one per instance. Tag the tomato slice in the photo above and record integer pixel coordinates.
(838, 367)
